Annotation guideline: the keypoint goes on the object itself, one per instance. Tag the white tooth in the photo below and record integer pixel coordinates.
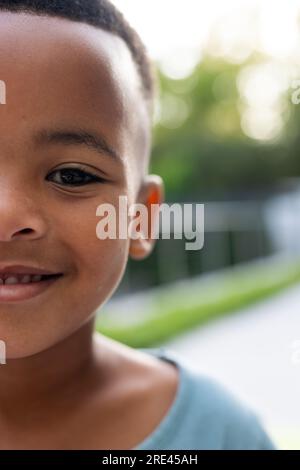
(25, 279)
(36, 278)
(12, 280)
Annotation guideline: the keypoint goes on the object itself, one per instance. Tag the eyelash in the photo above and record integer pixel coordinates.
(80, 171)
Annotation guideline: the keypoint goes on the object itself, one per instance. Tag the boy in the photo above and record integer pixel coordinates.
(75, 132)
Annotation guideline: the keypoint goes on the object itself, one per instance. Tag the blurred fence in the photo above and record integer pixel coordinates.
(235, 232)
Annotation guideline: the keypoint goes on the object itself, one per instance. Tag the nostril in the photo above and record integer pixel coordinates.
(25, 230)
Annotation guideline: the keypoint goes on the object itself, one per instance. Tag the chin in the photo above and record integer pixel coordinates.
(26, 344)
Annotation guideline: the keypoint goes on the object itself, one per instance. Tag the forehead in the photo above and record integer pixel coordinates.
(62, 72)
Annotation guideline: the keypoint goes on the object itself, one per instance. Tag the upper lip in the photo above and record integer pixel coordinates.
(20, 269)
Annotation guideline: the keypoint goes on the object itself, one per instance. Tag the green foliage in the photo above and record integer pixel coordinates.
(199, 145)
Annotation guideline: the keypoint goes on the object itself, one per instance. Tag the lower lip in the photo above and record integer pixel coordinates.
(19, 292)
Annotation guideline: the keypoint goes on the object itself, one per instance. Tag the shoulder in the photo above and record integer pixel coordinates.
(210, 415)
(229, 422)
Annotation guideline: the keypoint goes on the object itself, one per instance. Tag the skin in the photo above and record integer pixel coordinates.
(63, 385)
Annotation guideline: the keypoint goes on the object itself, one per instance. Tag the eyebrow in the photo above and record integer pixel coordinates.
(92, 140)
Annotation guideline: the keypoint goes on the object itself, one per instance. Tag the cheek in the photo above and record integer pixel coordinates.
(102, 268)
(98, 264)
(95, 269)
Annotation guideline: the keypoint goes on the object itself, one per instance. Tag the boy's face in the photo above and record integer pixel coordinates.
(64, 77)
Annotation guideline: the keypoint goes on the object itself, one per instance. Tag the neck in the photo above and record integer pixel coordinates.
(26, 381)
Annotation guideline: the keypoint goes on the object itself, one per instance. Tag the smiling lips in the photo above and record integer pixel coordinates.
(23, 282)
(23, 274)
(12, 279)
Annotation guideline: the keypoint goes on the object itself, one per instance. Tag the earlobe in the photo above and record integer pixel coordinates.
(151, 196)
(140, 249)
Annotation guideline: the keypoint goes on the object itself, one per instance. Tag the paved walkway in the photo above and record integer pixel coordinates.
(257, 354)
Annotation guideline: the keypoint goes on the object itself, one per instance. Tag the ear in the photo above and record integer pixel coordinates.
(151, 192)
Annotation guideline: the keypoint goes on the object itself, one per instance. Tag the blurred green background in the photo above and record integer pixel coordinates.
(226, 134)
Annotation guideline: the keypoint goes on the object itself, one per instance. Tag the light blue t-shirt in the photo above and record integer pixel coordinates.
(204, 415)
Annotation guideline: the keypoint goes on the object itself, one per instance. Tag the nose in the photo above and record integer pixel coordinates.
(20, 216)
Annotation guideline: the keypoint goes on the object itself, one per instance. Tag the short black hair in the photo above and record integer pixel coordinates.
(102, 14)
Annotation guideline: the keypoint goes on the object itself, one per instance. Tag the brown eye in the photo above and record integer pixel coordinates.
(73, 177)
